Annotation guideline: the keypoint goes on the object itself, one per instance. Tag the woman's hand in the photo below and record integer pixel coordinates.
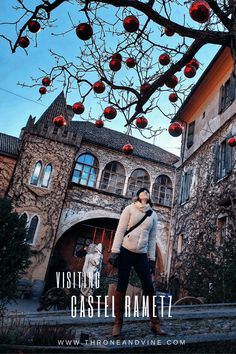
(152, 266)
(113, 259)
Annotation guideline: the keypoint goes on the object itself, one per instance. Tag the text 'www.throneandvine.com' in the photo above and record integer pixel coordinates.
(119, 342)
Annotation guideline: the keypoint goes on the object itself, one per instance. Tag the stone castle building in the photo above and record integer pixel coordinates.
(71, 184)
(204, 203)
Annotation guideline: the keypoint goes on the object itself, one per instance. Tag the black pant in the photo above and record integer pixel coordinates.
(139, 261)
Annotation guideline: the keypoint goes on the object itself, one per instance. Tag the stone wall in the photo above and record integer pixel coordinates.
(64, 204)
(197, 219)
(84, 203)
(7, 165)
(46, 203)
(203, 107)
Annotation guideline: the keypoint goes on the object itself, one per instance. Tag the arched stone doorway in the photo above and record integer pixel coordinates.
(70, 250)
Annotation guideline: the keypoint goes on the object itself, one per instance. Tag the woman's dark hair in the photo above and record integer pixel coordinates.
(137, 196)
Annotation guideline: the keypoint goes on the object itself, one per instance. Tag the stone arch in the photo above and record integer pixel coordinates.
(71, 247)
(162, 190)
(138, 178)
(113, 177)
(72, 217)
(86, 169)
(89, 152)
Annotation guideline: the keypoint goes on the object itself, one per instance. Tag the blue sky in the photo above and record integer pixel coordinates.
(18, 103)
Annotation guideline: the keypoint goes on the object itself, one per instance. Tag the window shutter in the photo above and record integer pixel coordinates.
(188, 184)
(228, 158)
(216, 151)
(190, 134)
(180, 188)
(221, 96)
(232, 88)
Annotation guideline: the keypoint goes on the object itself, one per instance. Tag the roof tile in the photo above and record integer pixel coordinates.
(9, 145)
(116, 140)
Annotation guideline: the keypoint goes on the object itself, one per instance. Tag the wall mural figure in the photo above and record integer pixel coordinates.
(92, 268)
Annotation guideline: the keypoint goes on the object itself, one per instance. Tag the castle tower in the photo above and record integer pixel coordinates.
(39, 184)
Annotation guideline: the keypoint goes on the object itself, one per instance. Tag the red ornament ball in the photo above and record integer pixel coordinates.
(190, 71)
(99, 87)
(200, 11)
(173, 97)
(78, 108)
(145, 87)
(172, 81)
(232, 141)
(164, 59)
(175, 129)
(131, 24)
(131, 62)
(169, 32)
(194, 62)
(34, 26)
(110, 112)
(128, 149)
(115, 65)
(59, 121)
(42, 90)
(99, 123)
(141, 122)
(24, 42)
(46, 81)
(84, 31)
(117, 56)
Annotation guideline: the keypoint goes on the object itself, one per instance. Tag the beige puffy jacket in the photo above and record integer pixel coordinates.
(143, 238)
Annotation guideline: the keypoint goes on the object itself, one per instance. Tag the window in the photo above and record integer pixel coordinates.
(190, 136)
(162, 190)
(81, 247)
(138, 179)
(36, 173)
(227, 94)
(32, 229)
(24, 217)
(185, 183)
(55, 130)
(222, 229)
(180, 244)
(46, 176)
(39, 177)
(223, 160)
(113, 178)
(86, 170)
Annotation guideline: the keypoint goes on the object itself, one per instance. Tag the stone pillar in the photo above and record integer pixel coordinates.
(126, 184)
(99, 177)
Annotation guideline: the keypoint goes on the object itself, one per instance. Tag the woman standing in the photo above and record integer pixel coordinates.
(134, 245)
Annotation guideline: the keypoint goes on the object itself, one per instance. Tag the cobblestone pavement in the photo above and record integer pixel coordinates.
(188, 324)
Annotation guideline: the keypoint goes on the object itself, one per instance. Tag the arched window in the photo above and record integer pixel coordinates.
(162, 190)
(32, 229)
(86, 170)
(36, 173)
(138, 179)
(113, 178)
(46, 176)
(24, 217)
